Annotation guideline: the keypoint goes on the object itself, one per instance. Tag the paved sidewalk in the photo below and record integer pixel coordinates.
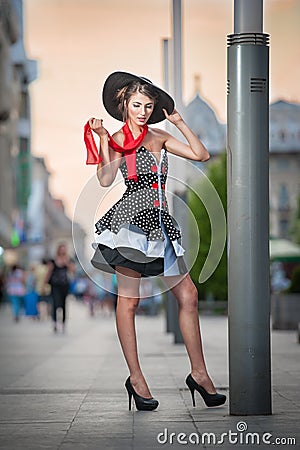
(66, 392)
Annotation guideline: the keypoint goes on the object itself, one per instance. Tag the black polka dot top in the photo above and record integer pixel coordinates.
(144, 202)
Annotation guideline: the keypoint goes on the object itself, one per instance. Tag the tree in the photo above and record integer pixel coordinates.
(295, 227)
(216, 285)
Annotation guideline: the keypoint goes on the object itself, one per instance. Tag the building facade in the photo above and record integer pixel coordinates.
(202, 119)
(48, 224)
(32, 222)
(284, 165)
(9, 89)
(16, 74)
(284, 154)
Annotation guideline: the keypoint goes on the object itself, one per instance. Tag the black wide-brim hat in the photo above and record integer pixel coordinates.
(118, 80)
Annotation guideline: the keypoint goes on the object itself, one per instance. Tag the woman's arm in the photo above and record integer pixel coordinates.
(71, 267)
(50, 267)
(108, 168)
(195, 150)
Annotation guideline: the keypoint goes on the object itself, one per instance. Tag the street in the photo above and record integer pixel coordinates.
(66, 391)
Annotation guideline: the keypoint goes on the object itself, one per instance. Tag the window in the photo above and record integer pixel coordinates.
(282, 135)
(283, 163)
(24, 105)
(283, 228)
(283, 200)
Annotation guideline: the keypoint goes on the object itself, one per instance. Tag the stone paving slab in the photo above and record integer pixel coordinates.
(34, 436)
(66, 392)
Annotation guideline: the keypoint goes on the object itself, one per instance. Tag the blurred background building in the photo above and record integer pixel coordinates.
(47, 222)
(284, 153)
(10, 93)
(203, 120)
(284, 165)
(32, 222)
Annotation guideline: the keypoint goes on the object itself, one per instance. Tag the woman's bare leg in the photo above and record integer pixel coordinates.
(187, 298)
(128, 300)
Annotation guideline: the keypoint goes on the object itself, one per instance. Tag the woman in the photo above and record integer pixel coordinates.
(57, 276)
(137, 237)
(16, 290)
(31, 296)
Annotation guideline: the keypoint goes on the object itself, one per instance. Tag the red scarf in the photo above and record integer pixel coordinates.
(129, 148)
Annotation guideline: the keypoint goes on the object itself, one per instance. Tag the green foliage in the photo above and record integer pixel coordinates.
(295, 281)
(216, 285)
(295, 227)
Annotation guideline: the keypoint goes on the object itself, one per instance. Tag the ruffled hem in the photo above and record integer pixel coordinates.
(131, 236)
(106, 259)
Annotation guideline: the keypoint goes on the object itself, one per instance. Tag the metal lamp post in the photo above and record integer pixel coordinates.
(248, 212)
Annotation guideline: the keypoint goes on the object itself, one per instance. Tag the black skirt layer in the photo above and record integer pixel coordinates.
(106, 259)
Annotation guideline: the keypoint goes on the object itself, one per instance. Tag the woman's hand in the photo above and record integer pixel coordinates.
(97, 126)
(174, 117)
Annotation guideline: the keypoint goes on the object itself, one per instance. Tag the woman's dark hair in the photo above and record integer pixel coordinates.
(123, 95)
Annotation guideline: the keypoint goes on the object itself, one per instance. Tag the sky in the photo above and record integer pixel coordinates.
(78, 43)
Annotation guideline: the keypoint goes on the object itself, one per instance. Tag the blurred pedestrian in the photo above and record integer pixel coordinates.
(114, 290)
(107, 300)
(15, 288)
(79, 286)
(31, 296)
(96, 294)
(60, 269)
(43, 290)
(90, 296)
(1, 288)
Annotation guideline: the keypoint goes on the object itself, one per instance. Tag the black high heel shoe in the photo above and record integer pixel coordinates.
(141, 403)
(209, 399)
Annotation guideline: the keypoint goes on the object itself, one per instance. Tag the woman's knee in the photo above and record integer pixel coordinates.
(189, 299)
(128, 303)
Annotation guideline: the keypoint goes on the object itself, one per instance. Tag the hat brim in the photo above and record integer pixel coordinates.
(118, 80)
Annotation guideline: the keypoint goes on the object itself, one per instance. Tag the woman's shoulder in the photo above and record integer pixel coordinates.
(158, 136)
(157, 131)
(118, 137)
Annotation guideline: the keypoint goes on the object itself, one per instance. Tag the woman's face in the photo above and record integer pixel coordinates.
(62, 250)
(140, 108)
